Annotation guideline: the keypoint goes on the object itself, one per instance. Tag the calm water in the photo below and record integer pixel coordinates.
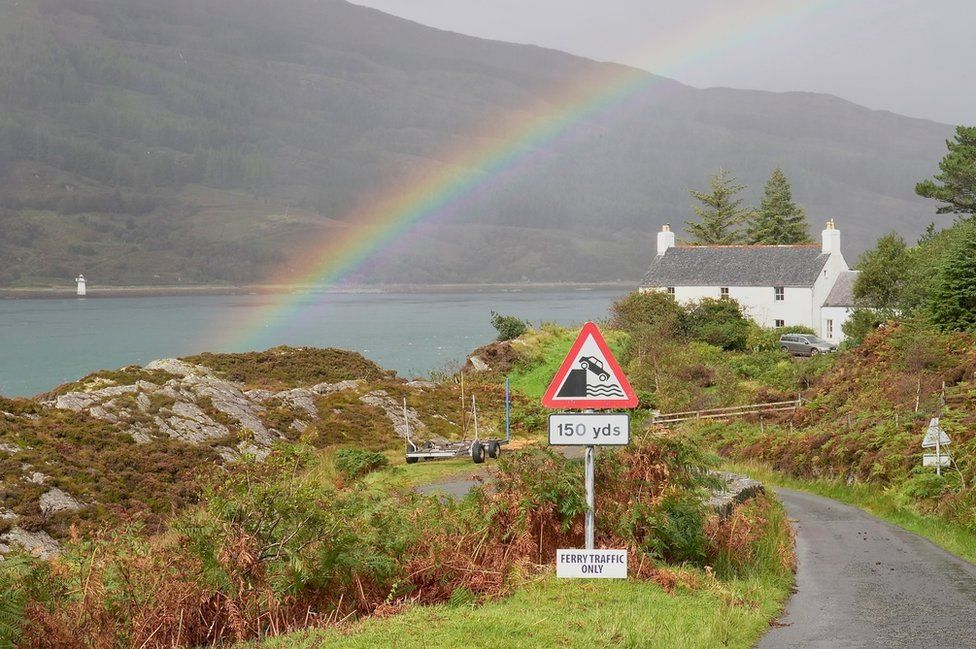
(44, 343)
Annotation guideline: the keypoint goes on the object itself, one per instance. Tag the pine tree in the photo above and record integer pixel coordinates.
(721, 212)
(779, 221)
(953, 304)
(958, 178)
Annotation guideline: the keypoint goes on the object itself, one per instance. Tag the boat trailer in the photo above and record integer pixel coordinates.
(477, 448)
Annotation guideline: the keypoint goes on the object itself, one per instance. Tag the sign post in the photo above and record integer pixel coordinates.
(936, 437)
(590, 378)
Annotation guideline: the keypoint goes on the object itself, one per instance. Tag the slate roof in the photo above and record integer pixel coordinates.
(842, 294)
(737, 266)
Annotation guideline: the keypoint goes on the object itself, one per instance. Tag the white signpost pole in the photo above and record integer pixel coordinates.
(590, 464)
(938, 455)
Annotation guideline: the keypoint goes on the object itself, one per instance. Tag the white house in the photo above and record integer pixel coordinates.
(778, 286)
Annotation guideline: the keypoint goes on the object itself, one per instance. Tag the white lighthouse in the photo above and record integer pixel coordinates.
(82, 290)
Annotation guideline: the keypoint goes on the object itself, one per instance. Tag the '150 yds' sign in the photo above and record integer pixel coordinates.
(589, 429)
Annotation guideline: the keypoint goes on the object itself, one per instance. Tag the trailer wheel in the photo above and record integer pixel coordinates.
(412, 448)
(413, 460)
(494, 449)
(477, 452)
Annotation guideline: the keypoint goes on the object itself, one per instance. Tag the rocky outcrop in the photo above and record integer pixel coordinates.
(411, 425)
(55, 501)
(40, 544)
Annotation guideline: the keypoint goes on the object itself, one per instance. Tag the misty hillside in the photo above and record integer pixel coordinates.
(204, 141)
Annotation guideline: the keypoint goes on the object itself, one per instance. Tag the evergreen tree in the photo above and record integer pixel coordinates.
(884, 273)
(953, 305)
(958, 177)
(779, 220)
(721, 212)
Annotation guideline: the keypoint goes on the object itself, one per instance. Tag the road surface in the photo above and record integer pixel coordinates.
(864, 583)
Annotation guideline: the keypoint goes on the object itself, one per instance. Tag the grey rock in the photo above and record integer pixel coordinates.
(9, 448)
(55, 501)
(299, 425)
(76, 401)
(329, 388)
(191, 424)
(478, 364)
(37, 477)
(301, 399)
(40, 544)
(143, 402)
(421, 385)
(177, 367)
(141, 433)
(394, 412)
(7, 514)
(260, 396)
(99, 412)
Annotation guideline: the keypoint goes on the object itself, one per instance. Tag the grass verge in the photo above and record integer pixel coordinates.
(877, 501)
(566, 613)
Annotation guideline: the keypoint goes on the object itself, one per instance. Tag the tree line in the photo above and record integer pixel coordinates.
(934, 280)
(724, 221)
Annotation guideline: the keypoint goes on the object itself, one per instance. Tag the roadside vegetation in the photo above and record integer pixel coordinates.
(276, 547)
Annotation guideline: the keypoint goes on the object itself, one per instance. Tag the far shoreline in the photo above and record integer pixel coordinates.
(277, 289)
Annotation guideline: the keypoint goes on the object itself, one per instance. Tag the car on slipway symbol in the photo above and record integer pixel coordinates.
(595, 365)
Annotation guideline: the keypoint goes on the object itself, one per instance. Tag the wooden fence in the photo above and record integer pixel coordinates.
(727, 413)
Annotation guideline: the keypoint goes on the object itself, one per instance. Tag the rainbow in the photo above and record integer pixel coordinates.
(460, 174)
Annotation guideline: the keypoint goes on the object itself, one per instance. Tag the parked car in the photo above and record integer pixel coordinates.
(805, 345)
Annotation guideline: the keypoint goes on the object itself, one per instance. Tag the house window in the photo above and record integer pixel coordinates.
(780, 324)
(724, 292)
(670, 290)
(780, 293)
(830, 329)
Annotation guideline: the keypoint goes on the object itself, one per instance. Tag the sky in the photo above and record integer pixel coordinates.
(914, 57)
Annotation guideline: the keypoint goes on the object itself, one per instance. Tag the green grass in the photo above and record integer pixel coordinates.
(570, 613)
(882, 503)
(422, 473)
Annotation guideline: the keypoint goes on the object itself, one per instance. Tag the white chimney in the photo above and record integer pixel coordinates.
(665, 239)
(831, 239)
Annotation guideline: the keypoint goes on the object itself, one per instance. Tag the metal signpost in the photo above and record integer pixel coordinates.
(590, 378)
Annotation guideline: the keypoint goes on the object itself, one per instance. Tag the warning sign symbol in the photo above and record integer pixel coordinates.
(590, 376)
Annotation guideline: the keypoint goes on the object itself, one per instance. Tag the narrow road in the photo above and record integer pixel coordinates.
(865, 583)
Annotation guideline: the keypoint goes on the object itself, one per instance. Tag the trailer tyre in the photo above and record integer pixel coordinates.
(412, 448)
(494, 449)
(477, 452)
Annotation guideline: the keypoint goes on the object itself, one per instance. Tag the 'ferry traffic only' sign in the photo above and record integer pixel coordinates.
(590, 378)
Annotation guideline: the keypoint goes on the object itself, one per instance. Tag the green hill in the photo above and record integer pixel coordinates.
(205, 141)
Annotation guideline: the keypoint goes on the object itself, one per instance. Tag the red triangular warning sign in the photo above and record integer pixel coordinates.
(590, 377)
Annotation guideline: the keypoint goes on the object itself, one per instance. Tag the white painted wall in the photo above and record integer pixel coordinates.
(838, 315)
(759, 303)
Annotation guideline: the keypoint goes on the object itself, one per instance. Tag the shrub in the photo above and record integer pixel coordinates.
(861, 324)
(720, 323)
(356, 462)
(508, 326)
(652, 309)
